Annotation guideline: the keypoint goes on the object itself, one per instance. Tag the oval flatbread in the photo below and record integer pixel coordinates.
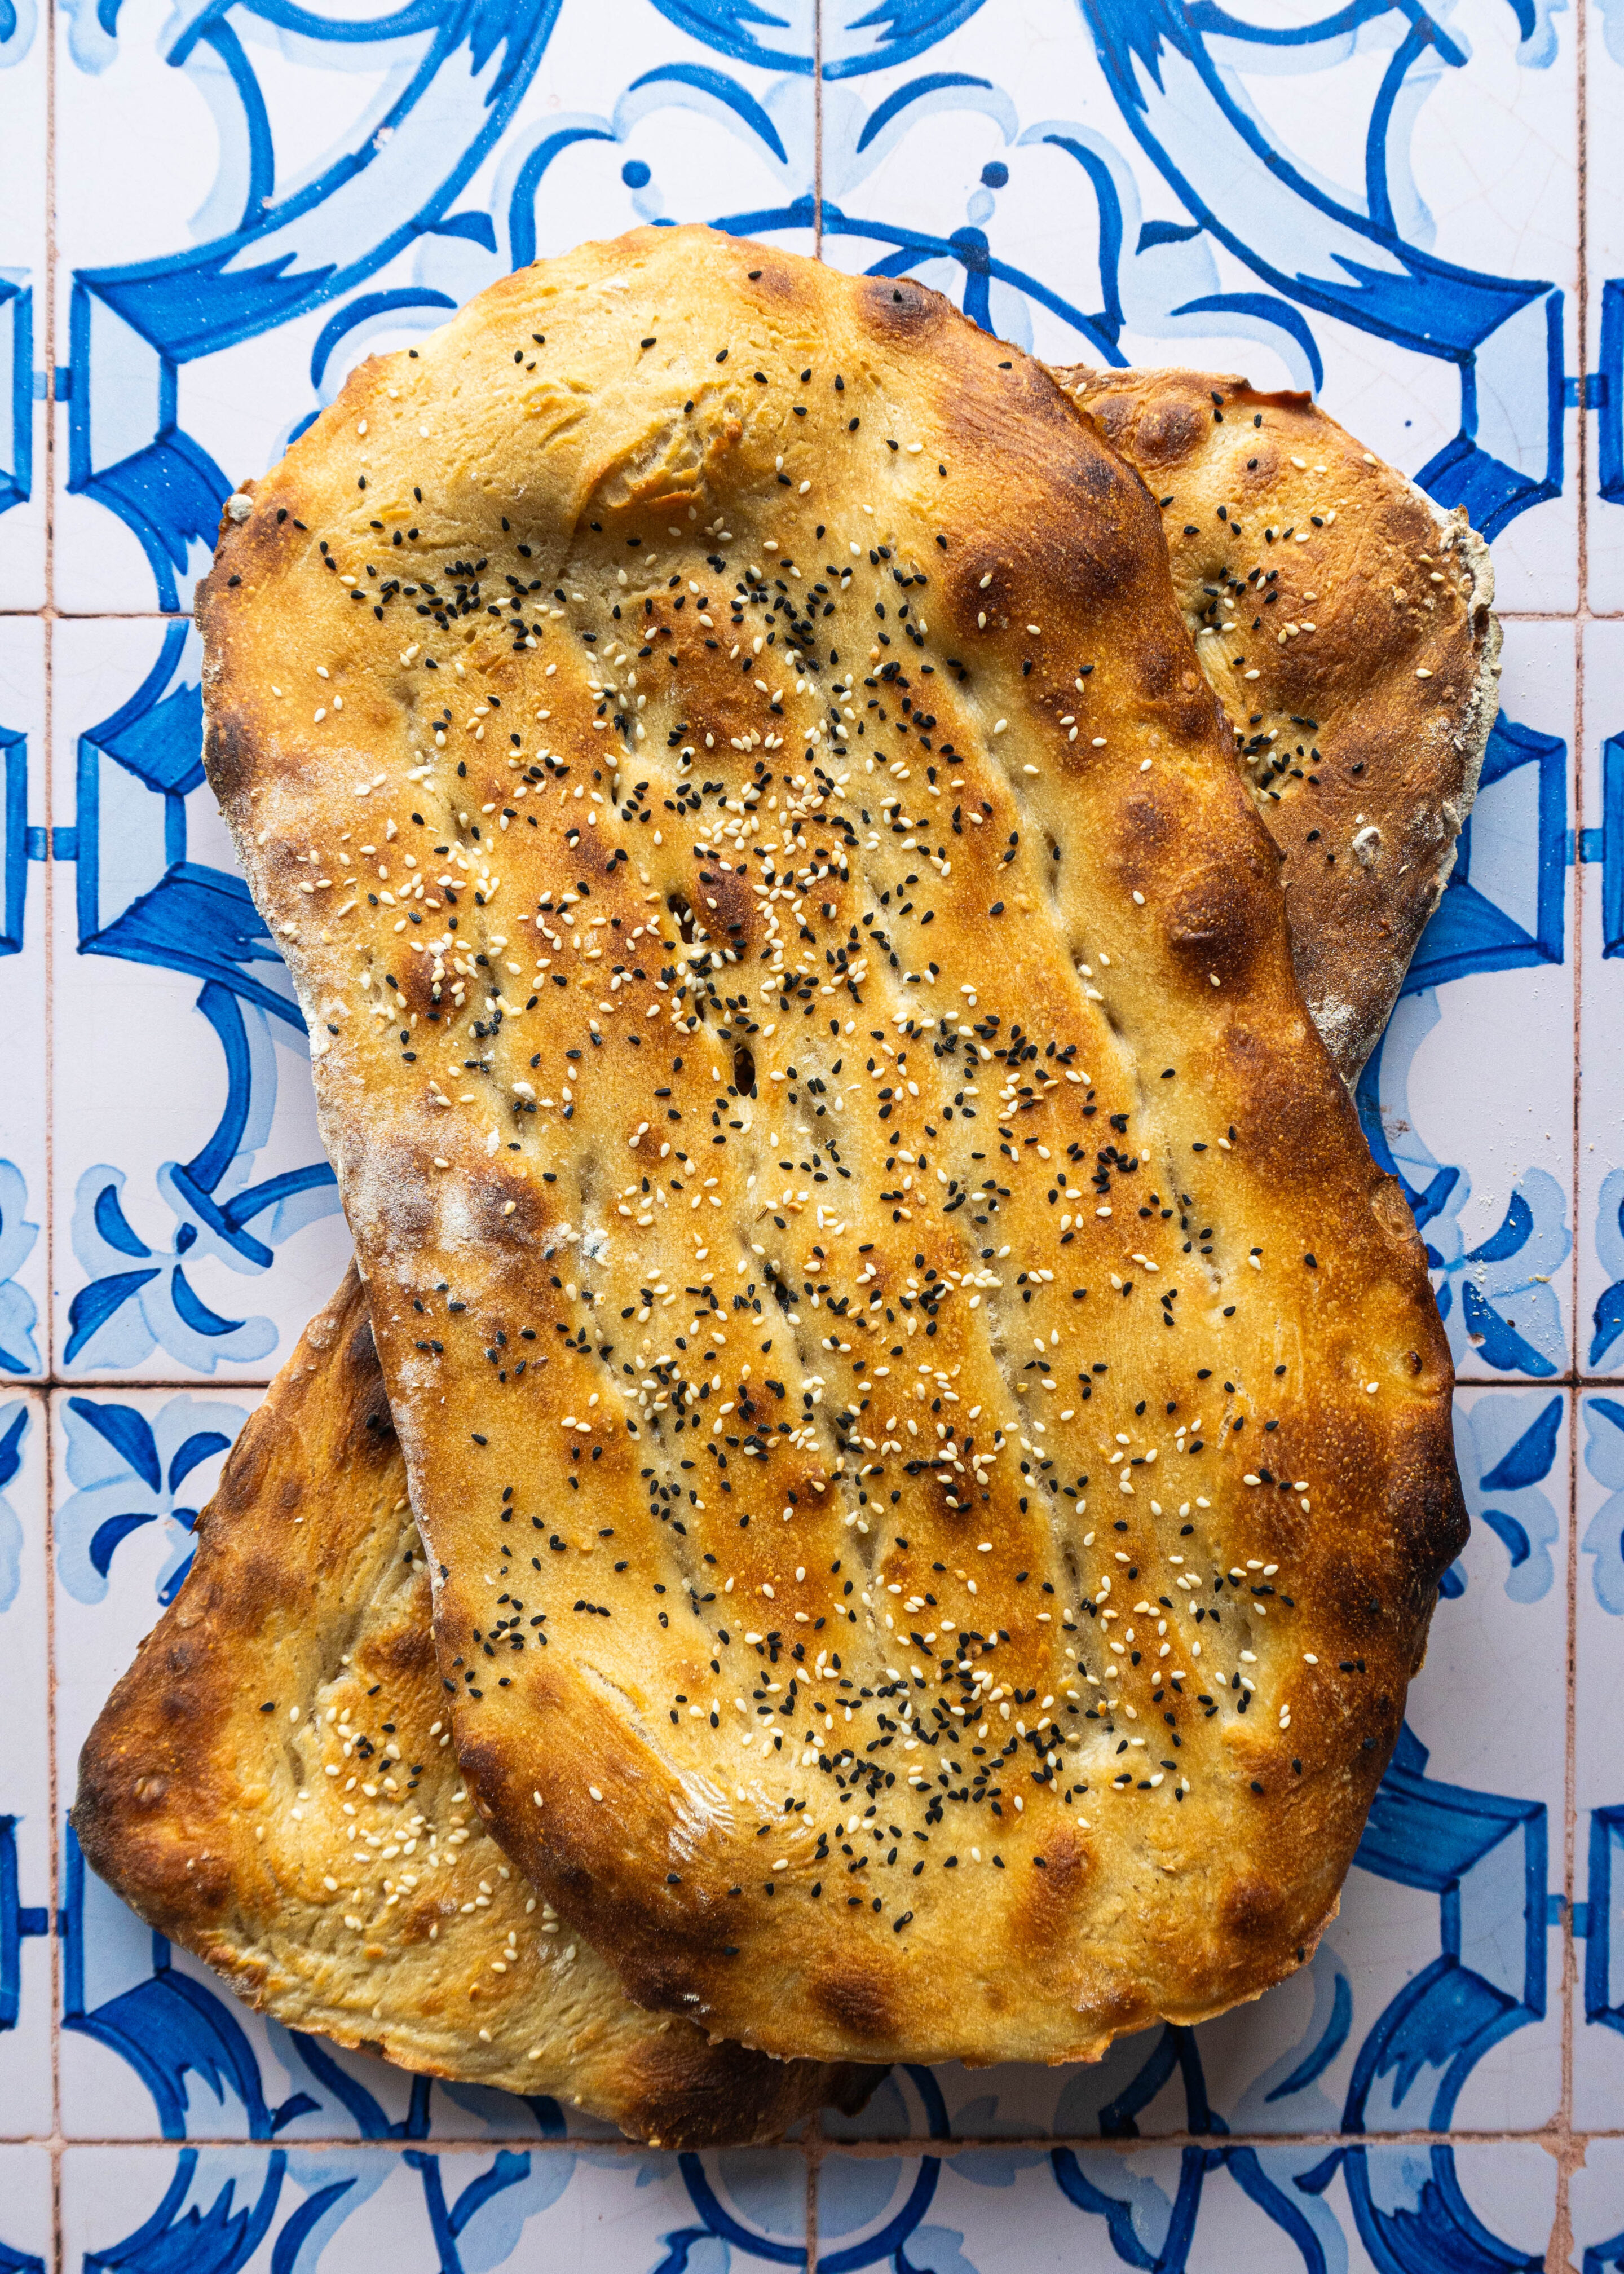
(931, 1434)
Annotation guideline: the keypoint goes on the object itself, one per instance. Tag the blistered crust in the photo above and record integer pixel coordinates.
(839, 1226)
(1346, 624)
(284, 1723)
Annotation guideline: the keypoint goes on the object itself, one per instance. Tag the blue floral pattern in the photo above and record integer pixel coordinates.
(140, 898)
(128, 1471)
(18, 1352)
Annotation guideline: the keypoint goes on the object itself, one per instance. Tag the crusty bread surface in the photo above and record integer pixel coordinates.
(272, 1786)
(932, 1434)
(1346, 624)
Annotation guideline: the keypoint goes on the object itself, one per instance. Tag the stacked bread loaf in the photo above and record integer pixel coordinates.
(883, 1469)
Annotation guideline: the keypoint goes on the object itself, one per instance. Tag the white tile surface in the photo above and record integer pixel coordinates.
(1596, 2207)
(1020, 2210)
(1471, 1091)
(26, 1987)
(24, 60)
(24, 1351)
(1598, 1781)
(1600, 1218)
(424, 2212)
(181, 1095)
(27, 2223)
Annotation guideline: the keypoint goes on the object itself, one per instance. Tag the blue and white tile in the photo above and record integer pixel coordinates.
(151, 2043)
(1595, 2208)
(1598, 1773)
(285, 2211)
(24, 61)
(130, 1471)
(25, 1778)
(1385, 209)
(197, 1221)
(1194, 2210)
(1604, 264)
(27, 2225)
(1469, 1097)
(1600, 1223)
(1433, 2003)
(273, 201)
(24, 1251)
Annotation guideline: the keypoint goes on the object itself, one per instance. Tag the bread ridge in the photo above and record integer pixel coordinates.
(307, 1588)
(1184, 848)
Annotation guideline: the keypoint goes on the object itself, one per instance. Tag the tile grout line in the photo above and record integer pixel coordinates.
(817, 130)
(1560, 2249)
(890, 2146)
(52, 1853)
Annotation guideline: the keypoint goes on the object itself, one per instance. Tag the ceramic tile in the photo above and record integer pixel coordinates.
(1605, 199)
(1469, 1096)
(24, 53)
(1198, 2210)
(1433, 2000)
(258, 2210)
(1600, 1220)
(1598, 1778)
(27, 2239)
(24, 1780)
(1595, 2208)
(291, 201)
(197, 1221)
(24, 1252)
(1113, 182)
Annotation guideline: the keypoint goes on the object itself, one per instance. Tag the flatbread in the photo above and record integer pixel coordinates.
(632, 1211)
(271, 1785)
(1345, 621)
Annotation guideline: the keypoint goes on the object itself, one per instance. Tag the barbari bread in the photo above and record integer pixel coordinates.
(932, 1436)
(272, 1786)
(665, 2085)
(307, 1464)
(1345, 622)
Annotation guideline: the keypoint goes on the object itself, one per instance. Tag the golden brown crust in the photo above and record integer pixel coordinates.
(300, 1646)
(1345, 622)
(868, 1159)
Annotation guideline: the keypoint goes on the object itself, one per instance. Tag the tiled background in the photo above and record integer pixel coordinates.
(207, 214)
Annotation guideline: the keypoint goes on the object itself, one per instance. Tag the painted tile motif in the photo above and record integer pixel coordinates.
(24, 1778)
(198, 1229)
(24, 1105)
(286, 2210)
